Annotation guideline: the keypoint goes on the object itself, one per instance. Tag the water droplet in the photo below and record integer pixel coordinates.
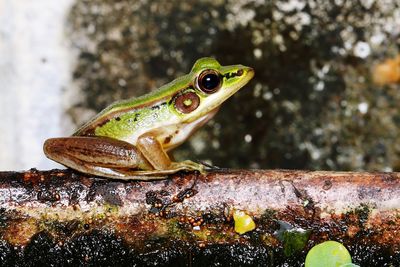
(362, 50)
(257, 53)
(248, 138)
(363, 107)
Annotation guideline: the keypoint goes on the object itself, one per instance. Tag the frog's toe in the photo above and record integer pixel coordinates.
(188, 165)
(208, 166)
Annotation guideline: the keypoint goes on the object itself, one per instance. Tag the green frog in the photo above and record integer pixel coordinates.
(130, 139)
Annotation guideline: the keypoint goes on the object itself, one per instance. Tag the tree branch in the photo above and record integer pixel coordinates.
(70, 218)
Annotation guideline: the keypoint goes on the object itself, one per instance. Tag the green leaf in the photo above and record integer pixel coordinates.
(328, 254)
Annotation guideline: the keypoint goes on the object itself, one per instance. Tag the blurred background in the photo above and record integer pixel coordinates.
(325, 95)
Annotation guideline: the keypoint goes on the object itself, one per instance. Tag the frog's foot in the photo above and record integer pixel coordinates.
(208, 166)
(187, 165)
(174, 167)
(146, 175)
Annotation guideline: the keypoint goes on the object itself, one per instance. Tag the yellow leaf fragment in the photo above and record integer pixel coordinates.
(243, 222)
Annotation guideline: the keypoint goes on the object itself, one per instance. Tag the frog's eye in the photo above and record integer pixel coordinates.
(187, 102)
(209, 81)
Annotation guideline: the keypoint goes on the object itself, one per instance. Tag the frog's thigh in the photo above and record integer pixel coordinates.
(91, 152)
(153, 151)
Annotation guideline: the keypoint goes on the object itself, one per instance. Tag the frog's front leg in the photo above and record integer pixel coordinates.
(101, 156)
(152, 149)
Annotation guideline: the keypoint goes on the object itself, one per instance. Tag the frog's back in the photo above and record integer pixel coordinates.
(133, 105)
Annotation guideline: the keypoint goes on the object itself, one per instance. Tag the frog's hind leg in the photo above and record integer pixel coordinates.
(99, 156)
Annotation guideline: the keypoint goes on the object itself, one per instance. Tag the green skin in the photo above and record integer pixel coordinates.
(130, 139)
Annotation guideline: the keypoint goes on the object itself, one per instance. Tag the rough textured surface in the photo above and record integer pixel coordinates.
(312, 104)
(65, 217)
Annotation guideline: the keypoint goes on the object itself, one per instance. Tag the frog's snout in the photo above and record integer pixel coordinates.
(250, 71)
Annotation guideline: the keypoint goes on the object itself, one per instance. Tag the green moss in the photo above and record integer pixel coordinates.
(294, 241)
(175, 229)
(111, 208)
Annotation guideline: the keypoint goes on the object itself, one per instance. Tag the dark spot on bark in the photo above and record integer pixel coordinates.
(117, 118)
(71, 226)
(48, 194)
(164, 193)
(327, 185)
(151, 197)
(185, 194)
(213, 218)
(160, 203)
(106, 190)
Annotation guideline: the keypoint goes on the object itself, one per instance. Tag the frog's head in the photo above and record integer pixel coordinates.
(211, 84)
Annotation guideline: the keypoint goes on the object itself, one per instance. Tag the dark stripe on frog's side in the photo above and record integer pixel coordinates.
(158, 106)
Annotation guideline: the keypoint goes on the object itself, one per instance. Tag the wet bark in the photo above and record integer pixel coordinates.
(73, 219)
